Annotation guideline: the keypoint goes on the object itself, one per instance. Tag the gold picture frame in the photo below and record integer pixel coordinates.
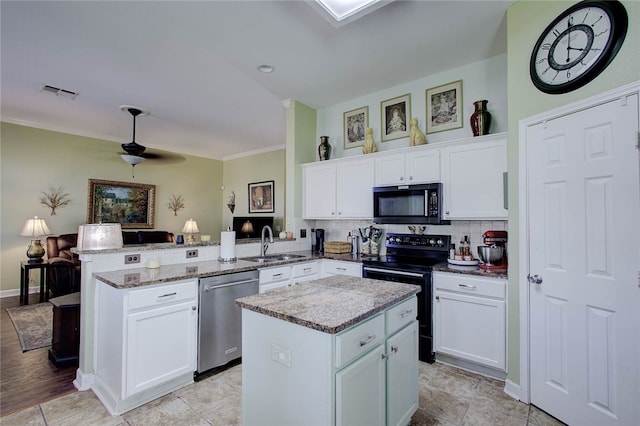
(132, 205)
(444, 107)
(395, 115)
(354, 124)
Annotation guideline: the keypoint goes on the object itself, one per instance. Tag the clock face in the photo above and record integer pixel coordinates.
(578, 45)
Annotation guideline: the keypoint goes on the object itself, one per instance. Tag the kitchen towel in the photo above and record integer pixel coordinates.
(228, 246)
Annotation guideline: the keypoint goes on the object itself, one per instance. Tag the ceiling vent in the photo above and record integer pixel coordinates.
(68, 94)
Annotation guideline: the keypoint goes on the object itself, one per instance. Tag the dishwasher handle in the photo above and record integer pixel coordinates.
(213, 287)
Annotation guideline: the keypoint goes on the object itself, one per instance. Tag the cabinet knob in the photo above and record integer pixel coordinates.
(385, 357)
(394, 348)
(437, 297)
(410, 177)
(401, 177)
(193, 308)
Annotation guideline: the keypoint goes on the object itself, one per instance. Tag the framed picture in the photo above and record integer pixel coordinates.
(444, 107)
(132, 205)
(395, 117)
(261, 197)
(354, 124)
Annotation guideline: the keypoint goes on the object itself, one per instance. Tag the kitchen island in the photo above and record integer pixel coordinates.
(335, 351)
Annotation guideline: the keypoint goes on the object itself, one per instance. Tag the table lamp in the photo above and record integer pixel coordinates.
(190, 228)
(100, 236)
(35, 228)
(247, 228)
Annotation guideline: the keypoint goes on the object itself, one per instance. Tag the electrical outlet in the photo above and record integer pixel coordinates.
(131, 258)
(132, 278)
(192, 253)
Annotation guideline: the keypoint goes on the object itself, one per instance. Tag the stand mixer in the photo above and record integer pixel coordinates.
(494, 252)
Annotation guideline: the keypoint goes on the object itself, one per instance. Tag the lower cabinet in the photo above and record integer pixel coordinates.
(288, 275)
(365, 375)
(147, 342)
(470, 318)
(341, 267)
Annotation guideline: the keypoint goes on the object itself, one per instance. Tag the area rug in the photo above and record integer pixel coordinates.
(33, 323)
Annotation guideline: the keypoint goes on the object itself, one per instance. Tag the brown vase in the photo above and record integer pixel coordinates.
(324, 149)
(480, 119)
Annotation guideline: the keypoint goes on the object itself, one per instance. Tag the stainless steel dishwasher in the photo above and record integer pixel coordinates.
(220, 320)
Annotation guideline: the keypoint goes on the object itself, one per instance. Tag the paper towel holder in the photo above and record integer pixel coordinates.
(227, 259)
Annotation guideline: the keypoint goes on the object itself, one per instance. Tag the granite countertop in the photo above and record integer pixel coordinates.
(139, 277)
(471, 270)
(330, 304)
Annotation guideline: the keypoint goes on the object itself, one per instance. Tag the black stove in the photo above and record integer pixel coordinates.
(409, 259)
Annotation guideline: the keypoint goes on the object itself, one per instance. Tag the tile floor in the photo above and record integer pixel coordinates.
(448, 396)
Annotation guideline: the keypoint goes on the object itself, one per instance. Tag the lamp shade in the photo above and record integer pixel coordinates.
(100, 236)
(35, 227)
(132, 159)
(190, 227)
(247, 228)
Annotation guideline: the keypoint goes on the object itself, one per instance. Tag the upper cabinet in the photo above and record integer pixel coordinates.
(338, 189)
(472, 172)
(473, 179)
(408, 168)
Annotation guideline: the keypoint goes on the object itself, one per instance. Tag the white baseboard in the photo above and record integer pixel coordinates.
(16, 291)
(83, 381)
(513, 390)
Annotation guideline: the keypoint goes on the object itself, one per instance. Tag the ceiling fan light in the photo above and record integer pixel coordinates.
(132, 159)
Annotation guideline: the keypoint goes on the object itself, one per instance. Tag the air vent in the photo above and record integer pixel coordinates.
(58, 92)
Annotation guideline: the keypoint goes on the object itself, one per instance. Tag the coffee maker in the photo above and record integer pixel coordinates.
(317, 240)
(494, 253)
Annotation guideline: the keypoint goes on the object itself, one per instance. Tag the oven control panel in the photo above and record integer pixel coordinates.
(425, 241)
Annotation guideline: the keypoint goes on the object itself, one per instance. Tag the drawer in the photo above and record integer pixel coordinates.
(469, 284)
(270, 275)
(267, 287)
(160, 295)
(358, 340)
(335, 267)
(304, 269)
(401, 315)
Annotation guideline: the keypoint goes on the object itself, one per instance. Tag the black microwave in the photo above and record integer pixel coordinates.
(408, 204)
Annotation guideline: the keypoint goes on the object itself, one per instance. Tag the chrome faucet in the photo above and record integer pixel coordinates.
(264, 245)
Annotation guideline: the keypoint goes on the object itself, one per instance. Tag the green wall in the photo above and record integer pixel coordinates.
(525, 22)
(32, 159)
(237, 175)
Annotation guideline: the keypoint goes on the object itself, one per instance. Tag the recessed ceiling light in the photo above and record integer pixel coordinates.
(266, 68)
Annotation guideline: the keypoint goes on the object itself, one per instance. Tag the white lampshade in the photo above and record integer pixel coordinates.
(100, 236)
(132, 159)
(190, 227)
(35, 228)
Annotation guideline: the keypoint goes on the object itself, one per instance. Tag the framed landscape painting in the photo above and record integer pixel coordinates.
(354, 124)
(129, 204)
(395, 113)
(261, 197)
(444, 107)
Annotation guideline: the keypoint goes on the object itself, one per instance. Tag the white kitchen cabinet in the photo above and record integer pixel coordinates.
(272, 278)
(341, 267)
(338, 189)
(133, 364)
(365, 375)
(472, 178)
(470, 318)
(421, 165)
(301, 272)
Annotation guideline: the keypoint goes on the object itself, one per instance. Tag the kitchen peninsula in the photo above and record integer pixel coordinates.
(335, 351)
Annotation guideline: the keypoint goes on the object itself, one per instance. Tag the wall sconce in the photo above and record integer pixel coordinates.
(247, 228)
(35, 228)
(99, 236)
(190, 228)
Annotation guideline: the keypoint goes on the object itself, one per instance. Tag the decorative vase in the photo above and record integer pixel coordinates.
(324, 149)
(480, 119)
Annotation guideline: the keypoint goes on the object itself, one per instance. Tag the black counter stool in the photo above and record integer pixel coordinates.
(65, 341)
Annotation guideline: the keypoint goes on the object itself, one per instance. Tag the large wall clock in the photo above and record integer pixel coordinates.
(578, 45)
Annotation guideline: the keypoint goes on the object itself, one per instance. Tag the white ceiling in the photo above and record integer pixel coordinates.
(193, 64)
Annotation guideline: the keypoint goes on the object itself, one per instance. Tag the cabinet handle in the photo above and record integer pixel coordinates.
(410, 177)
(341, 269)
(406, 313)
(307, 269)
(368, 340)
(276, 275)
(401, 177)
(339, 213)
(333, 213)
(385, 357)
(167, 295)
(438, 298)
(394, 348)
(470, 286)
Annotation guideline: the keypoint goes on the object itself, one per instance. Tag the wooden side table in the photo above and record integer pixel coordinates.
(25, 267)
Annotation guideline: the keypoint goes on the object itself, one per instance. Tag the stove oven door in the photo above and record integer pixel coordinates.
(423, 279)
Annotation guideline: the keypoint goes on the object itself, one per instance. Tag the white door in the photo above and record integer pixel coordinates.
(584, 232)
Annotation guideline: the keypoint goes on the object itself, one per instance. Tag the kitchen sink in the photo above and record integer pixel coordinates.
(274, 258)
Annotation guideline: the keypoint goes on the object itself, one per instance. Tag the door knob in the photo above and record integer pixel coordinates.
(535, 279)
